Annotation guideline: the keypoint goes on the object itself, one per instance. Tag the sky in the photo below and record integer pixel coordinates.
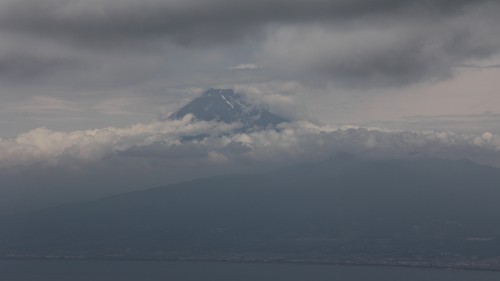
(70, 64)
(83, 83)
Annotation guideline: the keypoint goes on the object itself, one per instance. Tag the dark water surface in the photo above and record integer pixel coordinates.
(11, 270)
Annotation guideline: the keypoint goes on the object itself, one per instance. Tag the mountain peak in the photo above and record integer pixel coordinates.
(219, 92)
(224, 105)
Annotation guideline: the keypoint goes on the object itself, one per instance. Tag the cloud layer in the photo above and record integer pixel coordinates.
(377, 43)
(111, 52)
(294, 142)
(106, 22)
(43, 167)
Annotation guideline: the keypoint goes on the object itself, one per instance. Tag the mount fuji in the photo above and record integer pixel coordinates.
(224, 105)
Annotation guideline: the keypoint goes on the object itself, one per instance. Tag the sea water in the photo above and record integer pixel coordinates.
(62, 270)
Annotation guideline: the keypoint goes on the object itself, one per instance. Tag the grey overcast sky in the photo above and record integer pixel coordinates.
(82, 81)
(83, 64)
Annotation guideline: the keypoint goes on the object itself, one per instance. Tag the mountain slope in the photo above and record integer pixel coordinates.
(337, 209)
(224, 105)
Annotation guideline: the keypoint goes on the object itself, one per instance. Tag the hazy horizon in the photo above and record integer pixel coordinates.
(85, 83)
(249, 139)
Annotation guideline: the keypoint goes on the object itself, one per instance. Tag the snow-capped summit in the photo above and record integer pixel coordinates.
(224, 105)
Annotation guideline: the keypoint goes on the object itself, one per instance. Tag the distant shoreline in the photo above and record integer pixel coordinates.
(284, 262)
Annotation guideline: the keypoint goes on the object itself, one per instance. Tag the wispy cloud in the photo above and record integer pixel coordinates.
(43, 104)
(479, 66)
(244, 66)
(117, 106)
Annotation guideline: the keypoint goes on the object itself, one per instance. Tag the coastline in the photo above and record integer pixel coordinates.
(254, 261)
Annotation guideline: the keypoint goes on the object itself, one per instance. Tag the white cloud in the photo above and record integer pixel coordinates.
(278, 96)
(294, 142)
(45, 146)
(244, 66)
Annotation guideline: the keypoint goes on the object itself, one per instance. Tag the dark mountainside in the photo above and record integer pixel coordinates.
(224, 105)
(413, 212)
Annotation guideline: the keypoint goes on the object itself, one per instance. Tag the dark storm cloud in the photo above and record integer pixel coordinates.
(386, 42)
(395, 49)
(352, 43)
(112, 22)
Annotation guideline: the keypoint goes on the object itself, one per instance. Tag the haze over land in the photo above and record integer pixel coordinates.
(92, 92)
(413, 212)
(336, 131)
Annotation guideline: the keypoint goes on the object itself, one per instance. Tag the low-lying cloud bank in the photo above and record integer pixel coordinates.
(294, 142)
(43, 168)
